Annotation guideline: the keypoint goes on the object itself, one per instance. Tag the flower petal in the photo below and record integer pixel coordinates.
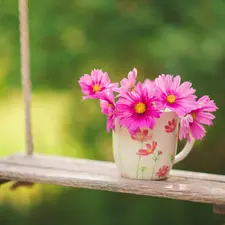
(197, 130)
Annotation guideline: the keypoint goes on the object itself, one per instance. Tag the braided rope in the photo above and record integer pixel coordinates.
(25, 72)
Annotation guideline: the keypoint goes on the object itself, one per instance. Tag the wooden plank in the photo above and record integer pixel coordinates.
(98, 175)
(67, 163)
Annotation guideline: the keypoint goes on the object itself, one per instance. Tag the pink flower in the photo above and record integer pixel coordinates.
(94, 83)
(107, 104)
(150, 149)
(142, 136)
(207, 104)
(171, 127)
(185, 123)
(150, 85)
(163, 171)
(175, 96)
(192, 122)
(128, 84)
(137, 109)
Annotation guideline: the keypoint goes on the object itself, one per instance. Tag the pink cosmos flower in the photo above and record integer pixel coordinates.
(107, 104)
(150, 149)
(207, 104)
(163, 171)
(142, 136)
(171, 127)
(150, 85)
(128, 84)
(175, 96)
(192, 122)
(96, 82)
(137, 109)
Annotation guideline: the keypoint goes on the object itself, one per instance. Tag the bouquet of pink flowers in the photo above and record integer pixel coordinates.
(139, 104)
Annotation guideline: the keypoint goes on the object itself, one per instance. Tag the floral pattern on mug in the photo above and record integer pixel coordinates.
(150, 149)
(163, 171)
(142, 135)
(171, 126)
(143, 168)
(172, 157)
(155, 159)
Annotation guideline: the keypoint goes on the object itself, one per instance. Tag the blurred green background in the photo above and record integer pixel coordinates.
(71, 37)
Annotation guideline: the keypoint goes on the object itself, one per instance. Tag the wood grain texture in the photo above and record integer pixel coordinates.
(98, 175)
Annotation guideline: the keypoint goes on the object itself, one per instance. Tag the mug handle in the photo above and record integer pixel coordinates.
(185, 151)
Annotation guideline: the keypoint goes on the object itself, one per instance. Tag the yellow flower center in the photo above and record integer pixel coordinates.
(140, 108)
(96, 88)
(194, 115)
(141, 137)
(130, 89)
(171, 99)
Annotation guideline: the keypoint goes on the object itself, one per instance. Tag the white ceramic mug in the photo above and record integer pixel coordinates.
(150, 154)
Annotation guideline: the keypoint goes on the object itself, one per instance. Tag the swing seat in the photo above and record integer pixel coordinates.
(99, 175)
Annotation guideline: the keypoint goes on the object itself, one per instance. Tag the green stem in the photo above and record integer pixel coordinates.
(156, 159)
(137, 171)
(153, 171)
(138, 165)
(142, 174)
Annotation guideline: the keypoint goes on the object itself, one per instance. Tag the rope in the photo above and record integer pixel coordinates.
(25, 72)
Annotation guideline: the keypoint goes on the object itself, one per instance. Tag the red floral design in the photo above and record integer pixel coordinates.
(171, 126)
(163, 171)
(142, 136)
(150, 149)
